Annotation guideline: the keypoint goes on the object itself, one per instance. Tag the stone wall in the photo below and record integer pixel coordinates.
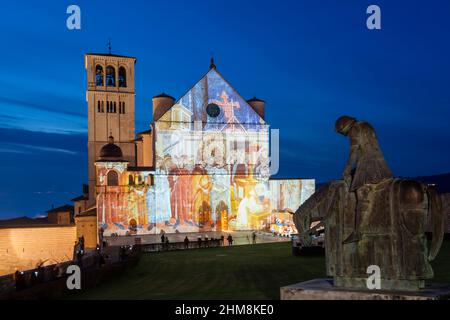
(87, 227)
(23, 248)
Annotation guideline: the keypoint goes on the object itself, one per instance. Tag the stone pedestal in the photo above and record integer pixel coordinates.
(322, 289)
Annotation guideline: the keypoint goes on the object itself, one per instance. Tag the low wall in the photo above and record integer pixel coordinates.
(23, 248)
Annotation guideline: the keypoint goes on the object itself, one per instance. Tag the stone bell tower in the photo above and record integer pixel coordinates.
(110, 99)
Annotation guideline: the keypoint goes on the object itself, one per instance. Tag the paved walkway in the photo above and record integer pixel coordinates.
(239, 238)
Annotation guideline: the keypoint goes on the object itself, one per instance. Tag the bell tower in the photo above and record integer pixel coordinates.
(110, 100)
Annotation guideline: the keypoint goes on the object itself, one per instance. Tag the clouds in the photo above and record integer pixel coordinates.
(39, 169)
(18, 114)
(30, 149)
(312, 61)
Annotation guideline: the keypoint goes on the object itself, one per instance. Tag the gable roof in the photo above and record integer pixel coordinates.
(211, 88)
(92, 211)
(63, 208)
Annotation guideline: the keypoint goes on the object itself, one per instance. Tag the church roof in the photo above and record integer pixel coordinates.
(111, 151)
(163, 95)
(111, 55)
(79, 198)
(27, 222)
(213, 88)
(145, 132)
(92, 211)
(63, 208)
(255, 99)
(22, 221)
(141, 168)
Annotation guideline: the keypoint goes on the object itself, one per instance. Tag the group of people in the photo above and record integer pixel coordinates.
(206, 242)
(203, 242)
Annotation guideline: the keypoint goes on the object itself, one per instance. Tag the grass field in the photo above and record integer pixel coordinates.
(240, 272)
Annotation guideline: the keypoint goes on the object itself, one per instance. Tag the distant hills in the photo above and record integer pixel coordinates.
(441, 181)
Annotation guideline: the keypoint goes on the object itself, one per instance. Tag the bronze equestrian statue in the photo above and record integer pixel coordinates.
(372, 218)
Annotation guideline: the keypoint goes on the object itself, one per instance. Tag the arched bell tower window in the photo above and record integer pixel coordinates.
(110, 76)
(99, 76)
(113, 178)
(122, 77)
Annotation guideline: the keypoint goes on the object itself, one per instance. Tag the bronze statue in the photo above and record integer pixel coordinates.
(391, 217)
(370, 166)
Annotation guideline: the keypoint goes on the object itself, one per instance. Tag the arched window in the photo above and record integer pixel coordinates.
(107, 107)
(115, 110)
(103, 106)
(122, 77)
(99, 109)
(113, 178)
(110, 76)
(121, 107)
(99, 75)
(130, 179)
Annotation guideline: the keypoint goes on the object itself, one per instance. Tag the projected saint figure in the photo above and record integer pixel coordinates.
(220, 192)
(227, 106)
(201, 188)
(181, 191)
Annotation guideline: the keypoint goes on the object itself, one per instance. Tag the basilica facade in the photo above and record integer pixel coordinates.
(202, 165)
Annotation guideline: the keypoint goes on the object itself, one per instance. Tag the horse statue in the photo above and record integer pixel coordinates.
(391, 231)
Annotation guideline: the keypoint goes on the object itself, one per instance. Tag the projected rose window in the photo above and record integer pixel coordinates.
(213, 110)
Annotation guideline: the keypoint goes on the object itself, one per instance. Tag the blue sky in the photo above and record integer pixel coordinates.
(312, 61)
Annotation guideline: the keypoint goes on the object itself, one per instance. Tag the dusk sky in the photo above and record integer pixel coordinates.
(311, 61)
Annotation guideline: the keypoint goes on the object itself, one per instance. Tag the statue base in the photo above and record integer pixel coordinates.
(323, 289)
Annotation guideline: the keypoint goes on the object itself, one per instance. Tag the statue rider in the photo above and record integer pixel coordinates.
(365, 167)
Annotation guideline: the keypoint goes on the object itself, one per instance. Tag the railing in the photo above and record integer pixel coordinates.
(173, 246)
(50, 280)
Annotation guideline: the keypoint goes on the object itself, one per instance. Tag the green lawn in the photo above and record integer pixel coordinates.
(240, 272)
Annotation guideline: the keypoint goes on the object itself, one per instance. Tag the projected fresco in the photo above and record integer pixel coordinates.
(287, 194)
(202, 202)
(211, 172)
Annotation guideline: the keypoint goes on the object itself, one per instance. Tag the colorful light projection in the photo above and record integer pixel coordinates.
(122, 206)
(287, 194)
(200, 202)
(211, 172)
(211, 153)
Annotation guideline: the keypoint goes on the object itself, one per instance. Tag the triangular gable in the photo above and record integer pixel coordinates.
(213, 88)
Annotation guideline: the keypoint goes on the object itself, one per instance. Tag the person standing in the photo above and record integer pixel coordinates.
(254, 237)
(230, 240)
(186, 243)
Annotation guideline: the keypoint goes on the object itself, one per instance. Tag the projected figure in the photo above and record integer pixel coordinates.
(201, 187)
(163, 210)
(227, 106)
(220, 191)
(256, 204)
(292, 194)
(181, 192)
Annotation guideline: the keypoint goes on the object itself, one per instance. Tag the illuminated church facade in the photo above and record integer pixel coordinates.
(203, 164)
